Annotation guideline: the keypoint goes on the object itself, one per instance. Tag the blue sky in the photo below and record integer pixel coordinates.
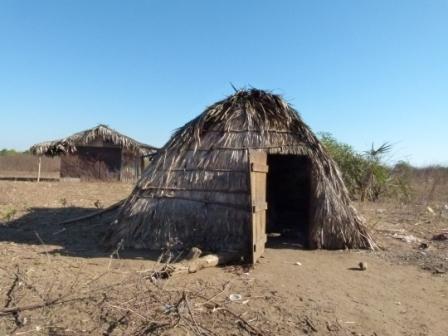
(365, 71)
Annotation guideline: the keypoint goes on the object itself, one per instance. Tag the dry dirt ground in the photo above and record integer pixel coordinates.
(68, 285)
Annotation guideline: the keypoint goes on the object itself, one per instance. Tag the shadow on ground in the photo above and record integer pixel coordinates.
(41, 226)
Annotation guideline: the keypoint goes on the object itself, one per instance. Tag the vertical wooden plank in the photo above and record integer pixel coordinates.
(258, 175)
(39, 169)
(120, 175)
(142, 166)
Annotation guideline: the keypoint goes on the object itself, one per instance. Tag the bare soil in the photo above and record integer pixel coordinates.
(78, 288)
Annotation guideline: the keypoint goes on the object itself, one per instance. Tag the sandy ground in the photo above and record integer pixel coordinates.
(90, 291)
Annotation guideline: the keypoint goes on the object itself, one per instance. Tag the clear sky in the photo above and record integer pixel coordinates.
(365, 71)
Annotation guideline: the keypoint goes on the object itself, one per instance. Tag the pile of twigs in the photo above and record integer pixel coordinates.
(141, 304)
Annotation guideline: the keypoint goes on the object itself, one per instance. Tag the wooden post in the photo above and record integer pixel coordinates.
(142, 166)
(38, 169)
(120, 177)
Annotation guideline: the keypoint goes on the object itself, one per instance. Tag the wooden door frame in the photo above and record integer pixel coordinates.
(257, 166)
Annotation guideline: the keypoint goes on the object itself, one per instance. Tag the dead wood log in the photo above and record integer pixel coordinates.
(210, 260)
(193, 254)
(197, 263)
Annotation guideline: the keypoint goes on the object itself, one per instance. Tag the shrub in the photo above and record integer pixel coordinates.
(350, 163)
(8, 152)
(366, 176)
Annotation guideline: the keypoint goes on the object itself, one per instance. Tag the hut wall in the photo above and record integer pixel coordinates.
(130, 167)
(92, 163)
(184, 223)
(186, 207)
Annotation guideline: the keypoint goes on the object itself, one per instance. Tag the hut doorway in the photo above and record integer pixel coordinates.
(288, 193)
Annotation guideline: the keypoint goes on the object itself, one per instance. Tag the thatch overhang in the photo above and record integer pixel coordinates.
(101, 133)
(196, 192)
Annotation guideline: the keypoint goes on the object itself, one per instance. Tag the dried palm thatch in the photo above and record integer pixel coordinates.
(100, 133)
(196, 191)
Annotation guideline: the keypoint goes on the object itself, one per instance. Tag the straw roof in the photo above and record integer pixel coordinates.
(101, 133)
(196, 192)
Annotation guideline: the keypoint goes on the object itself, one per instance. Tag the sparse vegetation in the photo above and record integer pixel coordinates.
(8, 152)
(98, 204)
(9, 214)
(350, 163)
(366, 175)
(63, 202)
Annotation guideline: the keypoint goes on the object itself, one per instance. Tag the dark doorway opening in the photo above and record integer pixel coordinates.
(288, 196)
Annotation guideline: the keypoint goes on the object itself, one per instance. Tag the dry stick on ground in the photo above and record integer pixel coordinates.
(116, 253)
(94, 214)
(179, 312)
(11, 290)
(310, 324)
(43, 245)
(225, 287)
(127, 309)
(250, 328)
(13, 310)
(114, 324)
(185, 297)
(32, 288)
(182, 308)
(10, 299)
(60, 300)
(196, 328)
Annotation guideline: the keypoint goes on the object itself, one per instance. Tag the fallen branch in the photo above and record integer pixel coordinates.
(9, 298)
(245, 324)
(94, 214)
(185, 295)
(13, 310)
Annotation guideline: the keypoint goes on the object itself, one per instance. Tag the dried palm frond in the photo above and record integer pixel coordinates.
(101, 133)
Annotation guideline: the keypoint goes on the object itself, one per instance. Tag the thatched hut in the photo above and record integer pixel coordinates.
(247, 166)
(99, 153)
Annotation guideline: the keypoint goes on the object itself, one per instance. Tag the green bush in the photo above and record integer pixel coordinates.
(350, 163)
(366, 176)
(8, 152)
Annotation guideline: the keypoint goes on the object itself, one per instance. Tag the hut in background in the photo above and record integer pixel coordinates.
(99, 153)
(247, 166)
